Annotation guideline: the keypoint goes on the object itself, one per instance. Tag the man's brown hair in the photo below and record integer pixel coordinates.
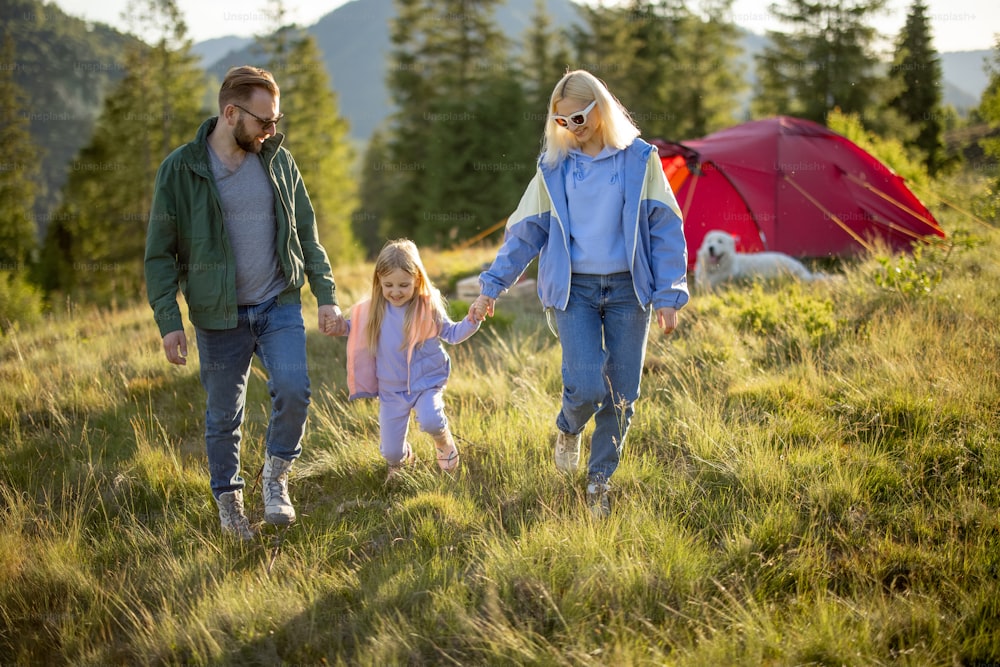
(238, 86)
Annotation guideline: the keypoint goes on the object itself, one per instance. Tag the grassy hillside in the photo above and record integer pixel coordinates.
(813, 478)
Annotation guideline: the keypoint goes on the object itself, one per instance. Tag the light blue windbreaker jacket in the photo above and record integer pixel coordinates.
(651, 219)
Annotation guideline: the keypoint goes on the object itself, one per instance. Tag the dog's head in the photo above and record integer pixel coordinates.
(716, 251)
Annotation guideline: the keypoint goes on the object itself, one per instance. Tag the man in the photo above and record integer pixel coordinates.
(232, 227)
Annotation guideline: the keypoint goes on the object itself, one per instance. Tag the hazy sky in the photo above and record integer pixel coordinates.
(958, 25)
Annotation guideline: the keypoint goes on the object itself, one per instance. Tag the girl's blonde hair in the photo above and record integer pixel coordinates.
(617, 128)
(427, 302)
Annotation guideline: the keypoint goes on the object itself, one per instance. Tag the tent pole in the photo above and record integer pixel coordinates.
(872, 188)
(960, 210)
(481, 235)
(690, 195)
(896, 228)
(864, 244)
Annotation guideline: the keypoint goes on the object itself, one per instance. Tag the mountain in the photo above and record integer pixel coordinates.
(965, 78)
(212, 50)
(354, 39)
(65, 67)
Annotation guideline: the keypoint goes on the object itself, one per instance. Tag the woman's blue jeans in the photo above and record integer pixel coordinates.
(603, 336)
(277, 335)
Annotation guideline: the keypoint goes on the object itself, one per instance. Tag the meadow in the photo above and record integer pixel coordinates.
(812, 478)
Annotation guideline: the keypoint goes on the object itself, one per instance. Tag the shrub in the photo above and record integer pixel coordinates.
(20, 302)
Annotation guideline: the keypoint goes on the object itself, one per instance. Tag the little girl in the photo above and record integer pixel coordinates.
(394, 353)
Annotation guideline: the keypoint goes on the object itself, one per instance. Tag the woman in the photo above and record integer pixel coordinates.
(607, 231)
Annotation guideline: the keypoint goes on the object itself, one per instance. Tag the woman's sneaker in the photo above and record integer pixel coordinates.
(567, 452)
(599, 499)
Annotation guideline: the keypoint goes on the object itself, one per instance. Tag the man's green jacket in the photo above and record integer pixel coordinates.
(187, 247)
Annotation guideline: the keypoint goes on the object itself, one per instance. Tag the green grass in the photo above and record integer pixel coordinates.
(812, 478)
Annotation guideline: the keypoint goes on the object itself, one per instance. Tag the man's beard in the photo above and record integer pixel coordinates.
(245, 140)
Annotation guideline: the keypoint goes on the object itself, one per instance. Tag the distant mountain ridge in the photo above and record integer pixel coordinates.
(67, 66)
(354, 39)
(213, 50)
(965, 77)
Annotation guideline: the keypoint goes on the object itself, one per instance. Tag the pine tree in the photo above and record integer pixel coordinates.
(19, 301)
(460, 135)
(316, 134)
(609, 43)
(917, 69)
(370, 221)
(824, 62)
(989, 111)
(676, 72)
(18, 171)
(545, 57)
(707, 77)
(95, 246)
(643, 59)
(479, 161)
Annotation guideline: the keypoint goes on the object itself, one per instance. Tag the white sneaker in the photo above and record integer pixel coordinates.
(567, 452)
(278, 508)
(232, 517)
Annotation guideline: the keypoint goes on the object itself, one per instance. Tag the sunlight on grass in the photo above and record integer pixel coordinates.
(812, 477)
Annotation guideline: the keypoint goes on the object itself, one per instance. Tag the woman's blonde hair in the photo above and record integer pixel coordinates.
(427, 302)
(617, 128)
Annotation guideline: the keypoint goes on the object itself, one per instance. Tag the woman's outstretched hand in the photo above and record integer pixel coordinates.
(481, 307)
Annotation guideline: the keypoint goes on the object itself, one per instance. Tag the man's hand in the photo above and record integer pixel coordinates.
(176, 347)
(331, 321)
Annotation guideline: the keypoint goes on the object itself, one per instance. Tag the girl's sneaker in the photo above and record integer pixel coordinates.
(396, 469)
(447, 451)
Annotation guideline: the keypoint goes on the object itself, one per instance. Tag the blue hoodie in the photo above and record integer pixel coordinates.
(654, 235)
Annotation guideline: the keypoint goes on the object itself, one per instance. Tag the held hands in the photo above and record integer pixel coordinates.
(481, 307)
(666, 318)
(331, 321)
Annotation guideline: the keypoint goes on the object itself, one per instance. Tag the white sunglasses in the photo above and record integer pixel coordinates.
(576, 120)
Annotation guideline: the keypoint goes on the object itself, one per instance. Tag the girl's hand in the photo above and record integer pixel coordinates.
(481, 307)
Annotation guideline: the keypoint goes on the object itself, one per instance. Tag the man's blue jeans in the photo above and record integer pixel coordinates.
(603, 336)
(277, 335)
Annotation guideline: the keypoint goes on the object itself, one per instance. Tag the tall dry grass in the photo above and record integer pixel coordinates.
(813, 477)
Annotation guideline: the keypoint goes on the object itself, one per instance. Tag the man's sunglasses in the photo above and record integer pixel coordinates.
(576, 120)
(262, 121)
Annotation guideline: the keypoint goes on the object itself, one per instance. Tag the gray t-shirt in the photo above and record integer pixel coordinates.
(248, 212)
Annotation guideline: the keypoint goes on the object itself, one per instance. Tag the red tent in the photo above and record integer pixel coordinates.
(793, 186)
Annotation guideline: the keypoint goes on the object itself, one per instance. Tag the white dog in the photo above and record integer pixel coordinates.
(718, 262)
